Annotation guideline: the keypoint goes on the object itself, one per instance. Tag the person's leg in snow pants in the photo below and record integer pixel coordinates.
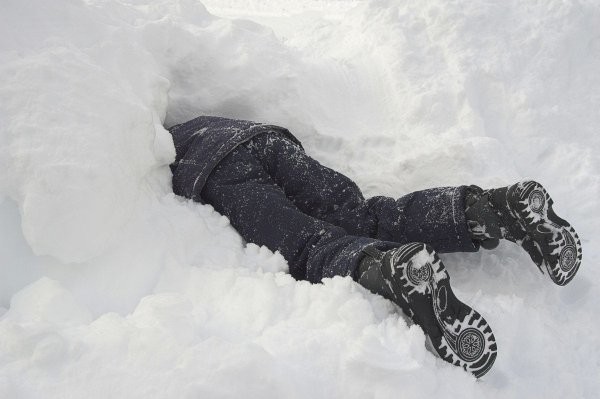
(276, 195)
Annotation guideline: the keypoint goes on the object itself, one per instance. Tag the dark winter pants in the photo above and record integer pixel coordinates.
(276, 195)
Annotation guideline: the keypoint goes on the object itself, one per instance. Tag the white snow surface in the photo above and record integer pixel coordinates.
(113, 287)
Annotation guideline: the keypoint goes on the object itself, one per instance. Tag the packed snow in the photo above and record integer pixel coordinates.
(112, 286)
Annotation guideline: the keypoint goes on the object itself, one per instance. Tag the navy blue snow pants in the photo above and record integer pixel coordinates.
(275, 195)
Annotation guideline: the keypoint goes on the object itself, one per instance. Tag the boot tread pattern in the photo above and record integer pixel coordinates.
(557, 240)
(459, 334)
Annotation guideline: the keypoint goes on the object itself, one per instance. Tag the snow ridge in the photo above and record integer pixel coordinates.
(111, 286)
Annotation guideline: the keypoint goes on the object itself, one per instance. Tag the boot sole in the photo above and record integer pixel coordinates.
(458, 334)
(555, 238)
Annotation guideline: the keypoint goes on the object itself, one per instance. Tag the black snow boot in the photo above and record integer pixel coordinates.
(522, 213)
(414, 278)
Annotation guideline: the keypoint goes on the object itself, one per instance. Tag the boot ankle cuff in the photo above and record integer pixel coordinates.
(483, 221)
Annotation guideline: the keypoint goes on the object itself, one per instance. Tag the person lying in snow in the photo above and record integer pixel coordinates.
(275, 195)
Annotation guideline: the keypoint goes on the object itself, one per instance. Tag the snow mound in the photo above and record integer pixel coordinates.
(111, 286)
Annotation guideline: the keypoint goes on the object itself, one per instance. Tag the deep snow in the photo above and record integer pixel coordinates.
(110, 286)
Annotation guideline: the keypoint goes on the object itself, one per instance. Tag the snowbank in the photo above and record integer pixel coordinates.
(111, 286)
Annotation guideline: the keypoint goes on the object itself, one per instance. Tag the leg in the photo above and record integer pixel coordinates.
(434, 216)
(259, 210)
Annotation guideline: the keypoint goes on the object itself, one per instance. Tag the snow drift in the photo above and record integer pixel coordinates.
(110, 286)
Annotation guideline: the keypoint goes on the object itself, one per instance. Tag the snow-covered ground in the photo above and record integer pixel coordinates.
(110, 286)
